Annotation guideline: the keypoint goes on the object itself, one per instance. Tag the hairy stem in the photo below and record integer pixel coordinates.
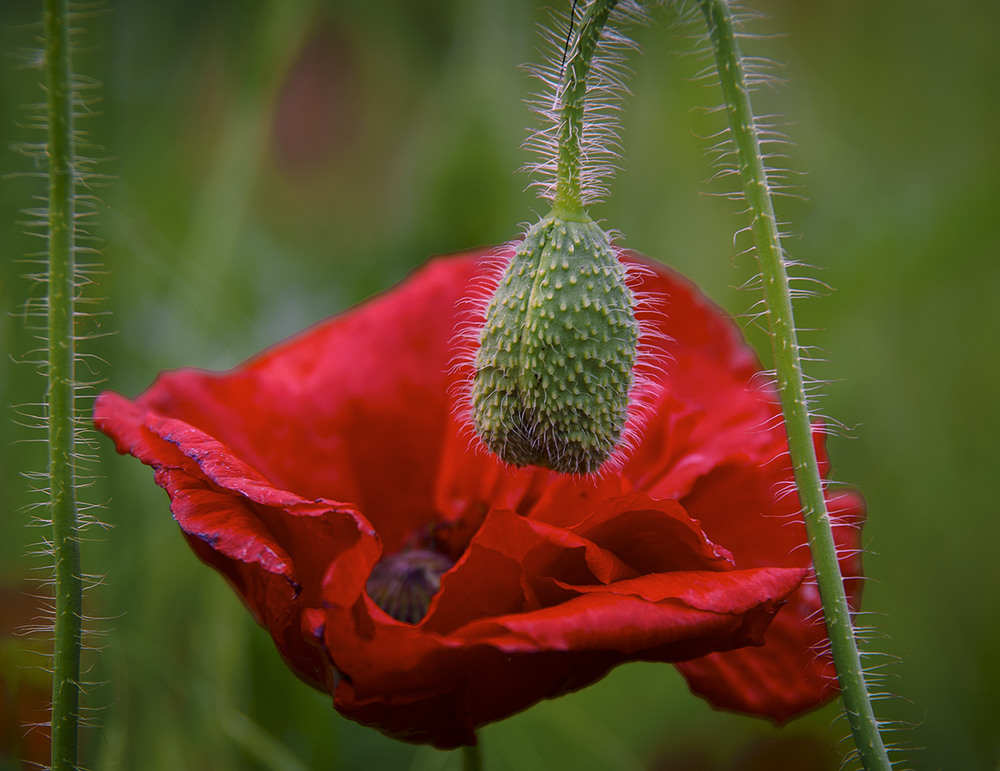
(573, 90)
(788, 365)
(61, 355)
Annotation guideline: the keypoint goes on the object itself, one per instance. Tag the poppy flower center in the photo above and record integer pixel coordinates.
(403, 584)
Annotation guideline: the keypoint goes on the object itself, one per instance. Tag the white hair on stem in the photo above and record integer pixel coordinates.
(600, 150)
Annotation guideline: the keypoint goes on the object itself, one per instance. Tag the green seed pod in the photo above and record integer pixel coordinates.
(554, 368)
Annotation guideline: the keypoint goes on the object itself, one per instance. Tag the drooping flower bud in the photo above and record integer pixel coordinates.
(554, 368)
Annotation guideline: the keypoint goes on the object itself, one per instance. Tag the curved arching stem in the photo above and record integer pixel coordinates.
(568, 200)
(791, 388)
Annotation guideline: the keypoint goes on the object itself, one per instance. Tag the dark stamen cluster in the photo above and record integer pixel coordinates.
(403, 584)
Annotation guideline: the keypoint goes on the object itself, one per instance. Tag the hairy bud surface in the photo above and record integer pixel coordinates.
(554, 368)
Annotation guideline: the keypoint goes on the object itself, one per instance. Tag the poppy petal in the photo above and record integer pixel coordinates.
(296, 473)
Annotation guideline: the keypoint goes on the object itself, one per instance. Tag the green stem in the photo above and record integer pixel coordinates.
(788, 366)
(472, 758)
(61, 355)
(568, 198)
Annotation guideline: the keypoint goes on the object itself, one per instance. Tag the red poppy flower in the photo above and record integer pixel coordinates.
(431, 590)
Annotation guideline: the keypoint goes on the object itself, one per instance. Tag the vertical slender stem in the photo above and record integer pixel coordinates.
(472, 758)
(61, 355)
(573, 90)
(788, 365)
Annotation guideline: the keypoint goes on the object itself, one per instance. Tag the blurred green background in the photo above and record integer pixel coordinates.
(272, 163)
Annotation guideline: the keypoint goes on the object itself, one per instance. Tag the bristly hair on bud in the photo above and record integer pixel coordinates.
(557, 351)
(558, 342)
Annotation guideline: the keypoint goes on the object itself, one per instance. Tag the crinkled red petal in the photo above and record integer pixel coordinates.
(793, 671)
(294, 473)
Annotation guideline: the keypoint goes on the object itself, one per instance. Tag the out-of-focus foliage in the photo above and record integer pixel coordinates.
(276, 162)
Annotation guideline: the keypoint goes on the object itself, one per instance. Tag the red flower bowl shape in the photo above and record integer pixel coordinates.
(331, 469)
